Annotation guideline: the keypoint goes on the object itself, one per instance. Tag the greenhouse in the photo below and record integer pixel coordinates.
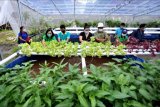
(79, 53)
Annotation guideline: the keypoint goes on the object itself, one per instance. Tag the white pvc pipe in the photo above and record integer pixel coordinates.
(106, 28)
(8, 58)
(133, 52)
(111, 32)
(84, 66)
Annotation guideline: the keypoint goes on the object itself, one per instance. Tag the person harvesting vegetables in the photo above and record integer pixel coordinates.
(49, 36)
(23, 36)
(63, 35)
(121, 34)
(85, 35)
(139, 33)
(100, 35)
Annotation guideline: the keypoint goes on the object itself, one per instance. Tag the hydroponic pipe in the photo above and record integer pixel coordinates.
(8, 58)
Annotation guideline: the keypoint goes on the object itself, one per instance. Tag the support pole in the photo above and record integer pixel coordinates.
(74, 10)
(84, 66)
(19, 10)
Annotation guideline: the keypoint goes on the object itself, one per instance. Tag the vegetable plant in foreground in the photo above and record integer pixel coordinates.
(115, 85)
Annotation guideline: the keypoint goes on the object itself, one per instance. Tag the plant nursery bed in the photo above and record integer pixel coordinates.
(39, 60)
(97, 61)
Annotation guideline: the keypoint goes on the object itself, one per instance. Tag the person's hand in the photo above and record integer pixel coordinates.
(30, 40)
(117, 40)
(127, 40)
(105, 39)
(43, 43)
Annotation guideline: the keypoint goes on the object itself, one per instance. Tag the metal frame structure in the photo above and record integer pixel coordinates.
(111, 30)
(95, 7)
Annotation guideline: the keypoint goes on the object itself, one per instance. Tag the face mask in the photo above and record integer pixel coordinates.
(123, 34)
(63, 31)
(49, 35)
(86, 32)
(122, 27)
(100, 30)
(142, 29)
(24, 30)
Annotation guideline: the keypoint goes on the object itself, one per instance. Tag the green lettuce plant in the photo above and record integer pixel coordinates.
(63, 48)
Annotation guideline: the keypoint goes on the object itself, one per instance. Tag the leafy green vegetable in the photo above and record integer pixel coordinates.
(63, 48)
(115, 85)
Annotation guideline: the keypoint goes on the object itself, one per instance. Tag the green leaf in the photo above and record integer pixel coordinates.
(18, 105)
(101, 93)
(132, 87)
(25, 94)
(4, 103)
(122, 79)
(118, 104)
(17, 80)
(133, 94)
(65, 103)
(93, 101)
(9, 88)
(82, 100)
(80, 87)
(89, 88)
(145, 94)
(119, 95)
(137, 82)
(125, 104)
(100, 104)
(136, 104)
(124, 89)
(73, 68)
(117, 60)
(107, 80)
(37, 101)
(26, 104)
(2, 91)
(64, 96)
(149, 88)
(105, 86)
(48, 101)
(64, 86)
(142, 78)
(93, 69)
(109, 98)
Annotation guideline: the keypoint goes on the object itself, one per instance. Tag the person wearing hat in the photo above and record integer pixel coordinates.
(100, 35)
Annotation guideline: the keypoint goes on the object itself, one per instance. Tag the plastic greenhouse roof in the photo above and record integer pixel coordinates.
(95, 7)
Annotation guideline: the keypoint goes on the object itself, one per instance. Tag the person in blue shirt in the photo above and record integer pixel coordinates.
(23, 36)
(121, 34)
(63, 35)
(120, 29)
